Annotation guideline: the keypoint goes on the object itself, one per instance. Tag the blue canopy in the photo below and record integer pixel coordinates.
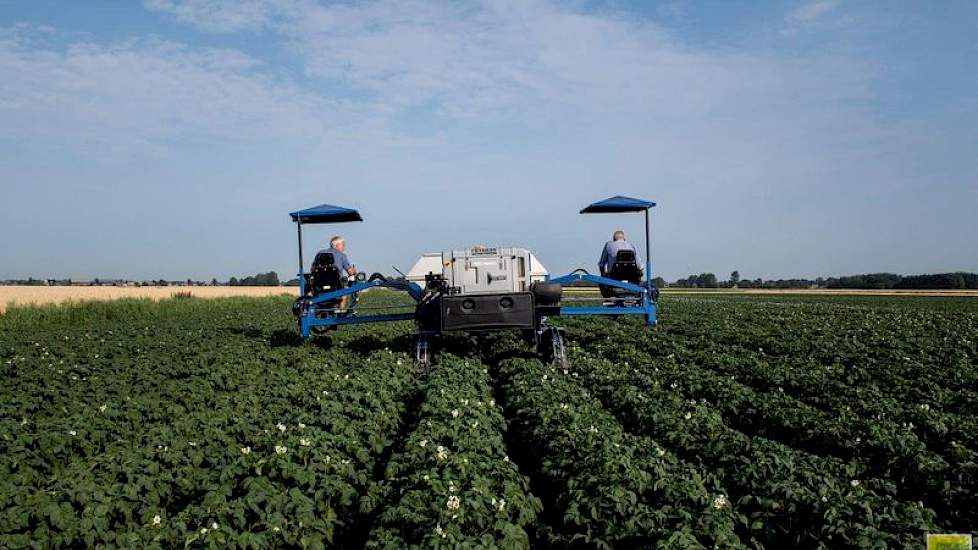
(326, 213)
(618, 203)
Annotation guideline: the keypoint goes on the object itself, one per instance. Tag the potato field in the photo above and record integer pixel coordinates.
(739, 422)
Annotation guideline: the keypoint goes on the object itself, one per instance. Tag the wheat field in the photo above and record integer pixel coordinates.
(41, 295)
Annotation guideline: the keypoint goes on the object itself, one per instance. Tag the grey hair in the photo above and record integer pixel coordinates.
(619, 235)
(334, 240)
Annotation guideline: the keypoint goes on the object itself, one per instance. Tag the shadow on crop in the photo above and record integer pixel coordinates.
(248, 332)
(371, 342)
(284, 338)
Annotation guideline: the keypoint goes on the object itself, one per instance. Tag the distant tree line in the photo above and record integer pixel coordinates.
(868, 281)
(261, 279)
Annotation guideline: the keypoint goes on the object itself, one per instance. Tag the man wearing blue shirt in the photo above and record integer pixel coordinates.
(337, 247)
(610, 252)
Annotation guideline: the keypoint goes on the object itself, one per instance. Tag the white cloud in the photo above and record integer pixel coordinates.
(527, 61)
(149, 95)
(217, 15)
(518, 103)
(812, 10)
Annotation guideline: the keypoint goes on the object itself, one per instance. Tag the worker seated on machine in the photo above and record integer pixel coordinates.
(619, 261)
(341, 263)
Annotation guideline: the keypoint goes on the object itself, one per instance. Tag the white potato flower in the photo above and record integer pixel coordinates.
(455, 413)
(157, 520)
(246, 450)
(281, 449)
(281, 427)
(453, 503)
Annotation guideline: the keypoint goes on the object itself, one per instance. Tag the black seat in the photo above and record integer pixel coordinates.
(625, 267)
(325, 275)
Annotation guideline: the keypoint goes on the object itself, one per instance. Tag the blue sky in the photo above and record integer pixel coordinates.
(797, 138)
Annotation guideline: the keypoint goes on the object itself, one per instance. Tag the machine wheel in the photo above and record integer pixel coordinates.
(299, 307)
(552, 348)
(422, 353)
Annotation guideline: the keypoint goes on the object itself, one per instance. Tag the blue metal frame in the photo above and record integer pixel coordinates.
(645, 307)
(326, 213)
(309, 318)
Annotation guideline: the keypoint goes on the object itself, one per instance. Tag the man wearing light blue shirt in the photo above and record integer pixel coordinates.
(610, 251)
(337, 247)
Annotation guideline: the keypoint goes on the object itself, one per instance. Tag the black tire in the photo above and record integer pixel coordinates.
(546, 293)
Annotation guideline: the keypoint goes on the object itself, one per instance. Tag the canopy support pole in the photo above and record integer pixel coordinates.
(648, 253)
(299, 225)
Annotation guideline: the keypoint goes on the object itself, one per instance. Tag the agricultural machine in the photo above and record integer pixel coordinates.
(477, 290)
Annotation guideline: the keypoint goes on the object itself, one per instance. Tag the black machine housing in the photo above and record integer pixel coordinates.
(443, 308)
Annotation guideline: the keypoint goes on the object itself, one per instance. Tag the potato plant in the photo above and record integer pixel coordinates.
(452, 484)
(144, 427)
(736, 423)
(608, 488)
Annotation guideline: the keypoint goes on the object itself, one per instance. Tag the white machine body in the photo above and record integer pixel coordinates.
(487, 270)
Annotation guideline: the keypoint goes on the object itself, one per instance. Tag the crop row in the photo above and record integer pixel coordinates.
(601, 486)
(903, 353)
(792, 498)
(149, 430)
(833, 389)
(839, 389)
(880, 447)
(452, 484)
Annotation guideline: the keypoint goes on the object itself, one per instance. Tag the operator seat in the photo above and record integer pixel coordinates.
(325, 275)
(624, 268)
